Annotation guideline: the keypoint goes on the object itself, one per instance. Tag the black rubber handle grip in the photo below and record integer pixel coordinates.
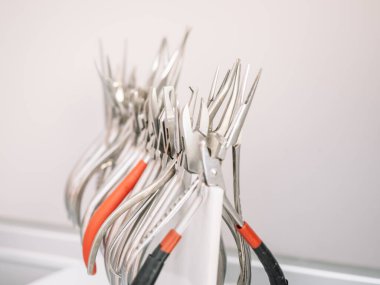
(151, 268)
(271, 266)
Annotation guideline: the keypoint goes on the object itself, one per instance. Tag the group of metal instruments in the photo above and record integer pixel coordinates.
(152, 167)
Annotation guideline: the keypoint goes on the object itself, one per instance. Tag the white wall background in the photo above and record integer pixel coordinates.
(311, 159)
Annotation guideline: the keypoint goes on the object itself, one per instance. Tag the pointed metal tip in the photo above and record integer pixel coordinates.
(97, 67)
(163, 46)
(198, 121)
(99, 72)
(253, 88)
(185, 38)
(109, 68)
(244, 87)
(132, 77)
(168, 90)
(238, 69)
(193, 108)
(203, 119)
(188, 31)
(164, 41)
(124, 62)
(212, 94)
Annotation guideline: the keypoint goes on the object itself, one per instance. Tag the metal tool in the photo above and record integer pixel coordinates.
(154, 162)
(212, 151)
(152, 137)
(127, 205)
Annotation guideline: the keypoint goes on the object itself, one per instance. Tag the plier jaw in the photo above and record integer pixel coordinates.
(212, 170)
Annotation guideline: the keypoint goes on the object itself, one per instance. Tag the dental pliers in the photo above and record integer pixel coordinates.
(154, 161)
(170, 75)
(210, 149)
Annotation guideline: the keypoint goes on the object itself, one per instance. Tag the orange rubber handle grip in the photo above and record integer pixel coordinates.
(108, 206)
(249, 235)
(269, 262)
(170, 241)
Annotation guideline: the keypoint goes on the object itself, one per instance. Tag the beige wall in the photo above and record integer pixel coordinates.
(311, 159)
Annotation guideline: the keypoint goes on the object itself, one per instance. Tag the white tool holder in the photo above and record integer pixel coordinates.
(195, 259)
